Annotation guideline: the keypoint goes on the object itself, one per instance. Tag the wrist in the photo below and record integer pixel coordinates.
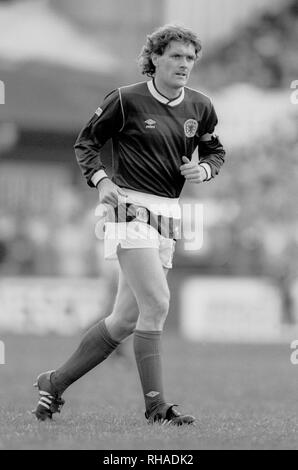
(98, 176)
(206, 174)
(207, 169)
(102, 182)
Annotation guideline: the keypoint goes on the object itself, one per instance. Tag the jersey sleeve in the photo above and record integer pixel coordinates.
(210, 120)
(211, 151)
(103, 125)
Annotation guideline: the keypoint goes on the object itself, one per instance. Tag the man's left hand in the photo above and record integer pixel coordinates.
(192, 171)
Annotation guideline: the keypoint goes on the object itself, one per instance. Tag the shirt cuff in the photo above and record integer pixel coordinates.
(98, 176)
(206, 167)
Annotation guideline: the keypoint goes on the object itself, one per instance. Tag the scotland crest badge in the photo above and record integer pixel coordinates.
(190, 127)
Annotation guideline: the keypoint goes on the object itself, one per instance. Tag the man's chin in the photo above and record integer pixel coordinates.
(178, 87)
(181, 82)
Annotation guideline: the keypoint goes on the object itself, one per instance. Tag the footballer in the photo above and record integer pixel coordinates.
(155, 126)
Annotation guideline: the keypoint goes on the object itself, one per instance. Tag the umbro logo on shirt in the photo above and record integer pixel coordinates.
(152, 394)
(98, 111)
(150, 124)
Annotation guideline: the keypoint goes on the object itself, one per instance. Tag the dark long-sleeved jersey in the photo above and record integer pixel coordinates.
(150, 134)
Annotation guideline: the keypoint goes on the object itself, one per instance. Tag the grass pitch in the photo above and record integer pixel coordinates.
(244, 397)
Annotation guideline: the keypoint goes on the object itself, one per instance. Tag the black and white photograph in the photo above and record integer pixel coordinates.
(148, 227)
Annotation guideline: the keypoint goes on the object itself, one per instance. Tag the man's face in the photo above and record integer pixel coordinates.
(174, 66)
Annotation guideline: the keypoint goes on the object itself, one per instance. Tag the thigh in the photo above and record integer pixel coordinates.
(123, 319)
(125, 304)
(145, 274)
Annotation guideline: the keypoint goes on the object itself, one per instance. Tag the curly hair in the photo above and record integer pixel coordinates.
(160, 39)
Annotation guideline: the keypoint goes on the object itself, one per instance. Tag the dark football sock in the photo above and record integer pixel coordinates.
(94, 348)
(148, 358)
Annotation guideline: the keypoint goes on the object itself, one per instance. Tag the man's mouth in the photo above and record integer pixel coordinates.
(181, 74)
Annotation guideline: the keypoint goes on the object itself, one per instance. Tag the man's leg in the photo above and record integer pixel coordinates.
(147, 279)
(123, 319)
(96, 345)
(101, 339)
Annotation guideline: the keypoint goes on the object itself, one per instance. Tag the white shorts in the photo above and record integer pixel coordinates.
(137, 234)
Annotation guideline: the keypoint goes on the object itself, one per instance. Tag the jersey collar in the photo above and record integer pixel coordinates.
(163, 99)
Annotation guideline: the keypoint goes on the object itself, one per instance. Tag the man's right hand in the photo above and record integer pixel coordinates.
(110, 193)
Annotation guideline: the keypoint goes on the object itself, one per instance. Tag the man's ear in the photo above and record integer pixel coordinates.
(154, 58)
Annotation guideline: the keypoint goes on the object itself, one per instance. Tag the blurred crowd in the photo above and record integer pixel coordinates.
(263, 53)
(59, 240)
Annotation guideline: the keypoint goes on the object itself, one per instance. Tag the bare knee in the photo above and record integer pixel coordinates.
(154, 310)
(127, 326)
(120, 327)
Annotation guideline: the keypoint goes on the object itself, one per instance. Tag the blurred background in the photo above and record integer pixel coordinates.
(58, 59)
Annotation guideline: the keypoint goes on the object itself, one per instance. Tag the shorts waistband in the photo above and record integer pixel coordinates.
(158, 204)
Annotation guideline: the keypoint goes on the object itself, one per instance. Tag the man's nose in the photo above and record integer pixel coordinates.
(183, 62)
